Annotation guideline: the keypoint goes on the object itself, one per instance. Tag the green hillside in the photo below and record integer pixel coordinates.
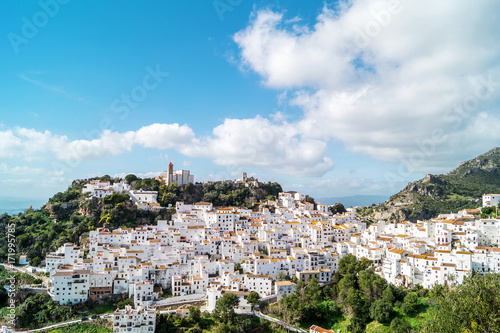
(461, 188)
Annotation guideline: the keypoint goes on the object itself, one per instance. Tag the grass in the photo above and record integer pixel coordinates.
(101, 309)
(422, 315)
(376, 327)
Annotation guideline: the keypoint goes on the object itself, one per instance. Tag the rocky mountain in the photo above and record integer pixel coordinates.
(460, 188)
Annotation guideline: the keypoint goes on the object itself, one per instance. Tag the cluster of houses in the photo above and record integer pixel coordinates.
(146, 200)
(208, 251)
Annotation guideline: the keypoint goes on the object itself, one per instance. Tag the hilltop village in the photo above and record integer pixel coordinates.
(204, 252)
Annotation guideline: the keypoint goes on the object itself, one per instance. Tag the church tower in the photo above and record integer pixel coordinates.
(170, 173)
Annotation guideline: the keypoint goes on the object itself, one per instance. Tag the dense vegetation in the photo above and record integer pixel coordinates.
(38, 310)
(359, 301)
(223, 321)
(81, 328)
(471, 307)
(225, 193)
(357, 297)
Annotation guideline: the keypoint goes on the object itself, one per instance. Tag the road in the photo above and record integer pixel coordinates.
(281, 323)
(66, 323)
(23, 270)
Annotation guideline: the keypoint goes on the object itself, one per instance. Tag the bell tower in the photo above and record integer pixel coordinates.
(170, 173)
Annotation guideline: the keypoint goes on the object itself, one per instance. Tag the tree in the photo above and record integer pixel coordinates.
(35, 261)
(4, 297)
(353, 303)
(381, 311)
(130, 178)
(194, 314)
(345, 284)
(371, 284)
(224, 308)
(253, 299)
(356, 326)
(488, 210)
(338, 208)
(400, 325)
(347, 264)
(125, 302)
(473, 306)
(105, 178)
(410, 303)
(227, 328)
(388, 295)
(312, 292)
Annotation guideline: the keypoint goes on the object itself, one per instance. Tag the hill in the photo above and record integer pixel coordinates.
(460, 188)
(69, 215)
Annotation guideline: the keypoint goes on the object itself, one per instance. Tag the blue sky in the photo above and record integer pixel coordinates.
(328, 99)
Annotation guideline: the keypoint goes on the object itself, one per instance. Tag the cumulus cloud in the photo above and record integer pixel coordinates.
(237, 142)
(30, 143)
(164, 136)
(401, 81)
(258, 142)
(6, 169)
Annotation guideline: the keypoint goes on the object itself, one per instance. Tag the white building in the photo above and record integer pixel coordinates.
(68, 254)
(23, 260)
(261, 284)
(69, 285)
(145, 200)
(215, 294)
(144, 196)
(181, 177)
(143, 293)
(491, 200)
(140, 320)
(282, 288)
(101, 189)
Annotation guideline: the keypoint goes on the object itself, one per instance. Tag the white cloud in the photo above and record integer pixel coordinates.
(29, 144)
(9, 144)
(6, 169)
(164, 136)
(237, 142)
(257, 142)
(385, 79)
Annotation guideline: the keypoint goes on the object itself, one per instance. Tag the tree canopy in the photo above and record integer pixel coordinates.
(224, 308)
(253, 298)
(337, 208)
(473, 306)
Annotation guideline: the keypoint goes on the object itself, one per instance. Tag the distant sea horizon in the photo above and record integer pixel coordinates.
(14, 206)
(355, 200)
